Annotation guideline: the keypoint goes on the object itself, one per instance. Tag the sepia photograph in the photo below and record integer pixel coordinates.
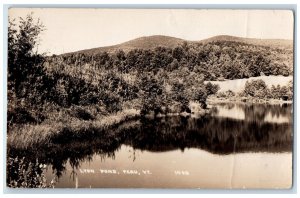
(149, 98)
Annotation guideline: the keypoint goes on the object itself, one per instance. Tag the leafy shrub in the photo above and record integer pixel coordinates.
(20, 116)
(212, 88)
(256, 88)
(226, 94)
(81, 113)
(259, 89)
(25, 174)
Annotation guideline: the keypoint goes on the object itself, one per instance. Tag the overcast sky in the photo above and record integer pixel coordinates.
(76, 29)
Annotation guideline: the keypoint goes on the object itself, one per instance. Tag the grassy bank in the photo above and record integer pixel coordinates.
(76, 122)
(24, 136)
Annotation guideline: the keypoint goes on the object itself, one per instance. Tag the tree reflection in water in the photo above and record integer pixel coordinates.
(218, 135)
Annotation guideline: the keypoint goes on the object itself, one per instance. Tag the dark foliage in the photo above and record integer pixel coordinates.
(259, 89)
(228, 59)
(20, 116)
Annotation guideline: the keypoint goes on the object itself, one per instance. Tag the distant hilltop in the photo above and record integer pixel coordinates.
(150, 42)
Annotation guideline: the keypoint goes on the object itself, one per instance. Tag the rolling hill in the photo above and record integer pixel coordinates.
(147, 42)
(274, 43)
(150, 42)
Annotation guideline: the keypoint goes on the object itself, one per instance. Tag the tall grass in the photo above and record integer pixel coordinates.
(34, 135)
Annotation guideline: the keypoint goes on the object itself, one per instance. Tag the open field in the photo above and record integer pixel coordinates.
(238, 85)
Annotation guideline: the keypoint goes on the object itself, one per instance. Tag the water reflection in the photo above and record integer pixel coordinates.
(259, 112)
(258, 131)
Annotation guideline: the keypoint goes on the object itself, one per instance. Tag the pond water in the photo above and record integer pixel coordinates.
(234, 146)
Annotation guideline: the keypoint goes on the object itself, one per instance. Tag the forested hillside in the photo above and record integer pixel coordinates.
(157, 74)
(216, 58)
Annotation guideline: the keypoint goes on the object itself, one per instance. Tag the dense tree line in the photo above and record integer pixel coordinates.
(259, 89)
(168, 76)
(215, 60)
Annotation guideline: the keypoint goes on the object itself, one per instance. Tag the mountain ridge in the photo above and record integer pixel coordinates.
(150, 42)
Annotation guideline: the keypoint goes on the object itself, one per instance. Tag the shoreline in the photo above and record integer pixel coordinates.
(24, 136)
(214, 100)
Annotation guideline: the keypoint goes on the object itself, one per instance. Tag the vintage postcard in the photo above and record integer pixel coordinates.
(149, 98)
